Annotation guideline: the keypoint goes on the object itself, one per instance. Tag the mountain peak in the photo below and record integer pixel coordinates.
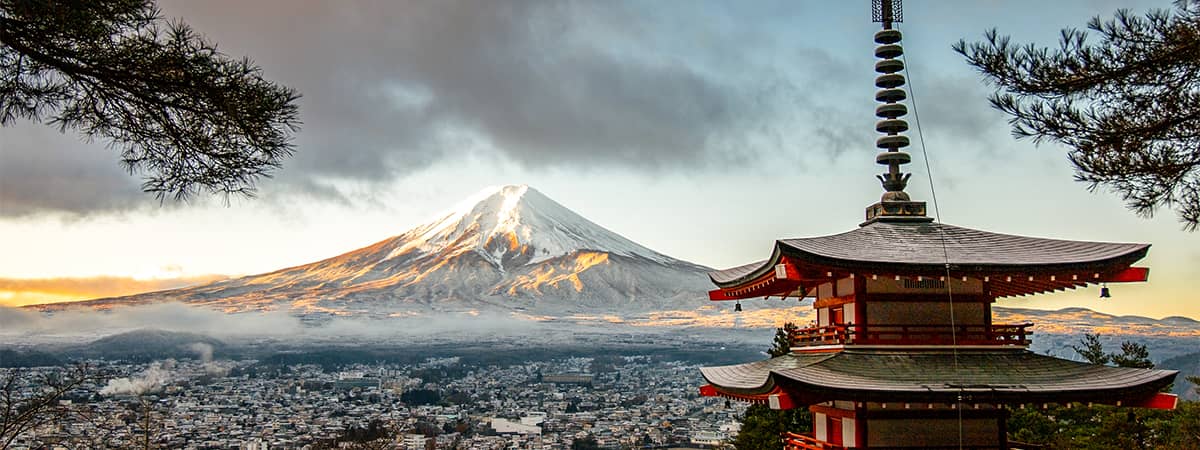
(514, 225)
(506, 245)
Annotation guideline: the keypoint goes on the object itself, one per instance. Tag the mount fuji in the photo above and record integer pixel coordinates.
(510, 248)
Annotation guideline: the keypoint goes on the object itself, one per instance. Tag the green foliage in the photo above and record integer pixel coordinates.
(782, 344)
(1091, 349)
(585, 443)
(1106, 427)
(421, 397)
(1125, 104)
(185, 115)
(763, 427)
(1133, 355)
(1102, 427)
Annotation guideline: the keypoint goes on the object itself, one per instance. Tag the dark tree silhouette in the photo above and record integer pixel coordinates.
(585, 443)
(1107, 427)
(1132, 355)
(20, 414)
(1127, 107)
(763, 427)
(1091, 349)
(782, 344)
(185, 116)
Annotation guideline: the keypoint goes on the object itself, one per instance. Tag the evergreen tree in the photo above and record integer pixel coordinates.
(763, 427)
(585, 443)
(1127, 107)
(782, 344)
(1108, 427)
(186, 116)
(1092, 350)
(1132, 355)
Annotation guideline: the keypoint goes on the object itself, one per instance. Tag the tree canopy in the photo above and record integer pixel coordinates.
(1127, 107)
(762, 427)
(782, 344)
(1107, 427)
(185, 116)
(1132, 354)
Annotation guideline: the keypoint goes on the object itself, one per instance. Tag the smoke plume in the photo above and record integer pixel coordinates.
(151, 380)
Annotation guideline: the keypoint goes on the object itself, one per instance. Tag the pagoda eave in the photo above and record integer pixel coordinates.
(929, 249)
(788, 278)
(1009, 377)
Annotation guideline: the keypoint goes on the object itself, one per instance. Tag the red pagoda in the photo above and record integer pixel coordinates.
(904, 353)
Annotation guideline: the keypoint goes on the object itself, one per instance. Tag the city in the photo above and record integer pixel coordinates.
(620, 402)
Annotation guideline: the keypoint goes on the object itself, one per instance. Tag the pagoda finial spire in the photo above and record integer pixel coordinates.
(895, 203)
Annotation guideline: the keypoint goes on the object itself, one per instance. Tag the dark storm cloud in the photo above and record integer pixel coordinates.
(390, 88)
(42, 170)
(950, 111)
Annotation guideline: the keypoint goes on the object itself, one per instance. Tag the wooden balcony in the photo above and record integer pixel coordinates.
(796, 441)
(885, 334)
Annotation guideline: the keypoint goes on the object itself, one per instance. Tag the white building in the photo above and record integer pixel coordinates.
(414, 442)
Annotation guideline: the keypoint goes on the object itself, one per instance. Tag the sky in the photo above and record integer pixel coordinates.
(702, 129)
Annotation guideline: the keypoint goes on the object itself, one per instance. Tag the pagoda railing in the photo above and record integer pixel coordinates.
(796, 441)
(889, 334)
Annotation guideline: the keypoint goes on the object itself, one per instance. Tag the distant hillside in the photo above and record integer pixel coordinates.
(145, 345)
(13, 358)
(1187, 365)
(1056, 331)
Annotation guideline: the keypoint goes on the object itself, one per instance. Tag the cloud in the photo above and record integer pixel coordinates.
(31, 291)
(391, 88)
(42, 170)
(983, 129)
(26, 325)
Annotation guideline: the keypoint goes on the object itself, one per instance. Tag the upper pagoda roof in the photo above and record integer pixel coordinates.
(926, 247)
(1015, 376)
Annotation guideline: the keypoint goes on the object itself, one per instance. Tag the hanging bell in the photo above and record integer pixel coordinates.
(1104, 292)
(737, 307)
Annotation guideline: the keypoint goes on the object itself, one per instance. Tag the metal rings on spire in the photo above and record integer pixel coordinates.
(890, 83)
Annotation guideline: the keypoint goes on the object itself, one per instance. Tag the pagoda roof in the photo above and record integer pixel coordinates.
(1009, 376)
(925, 248)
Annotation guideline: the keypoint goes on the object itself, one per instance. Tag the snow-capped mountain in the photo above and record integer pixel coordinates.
(513, 226)
(509, 247)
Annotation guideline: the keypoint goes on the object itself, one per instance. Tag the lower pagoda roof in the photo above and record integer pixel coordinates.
(1007, 377)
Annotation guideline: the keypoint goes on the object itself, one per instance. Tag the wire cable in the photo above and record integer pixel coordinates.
(937, 214)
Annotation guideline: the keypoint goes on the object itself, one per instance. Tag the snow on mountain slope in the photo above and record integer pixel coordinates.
(501, 222)
(506, 247)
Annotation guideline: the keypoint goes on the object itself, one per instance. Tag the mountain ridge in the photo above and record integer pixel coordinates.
(504, 247)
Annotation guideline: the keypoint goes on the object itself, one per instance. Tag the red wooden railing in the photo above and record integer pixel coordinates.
(796, 441)
(887, 334)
